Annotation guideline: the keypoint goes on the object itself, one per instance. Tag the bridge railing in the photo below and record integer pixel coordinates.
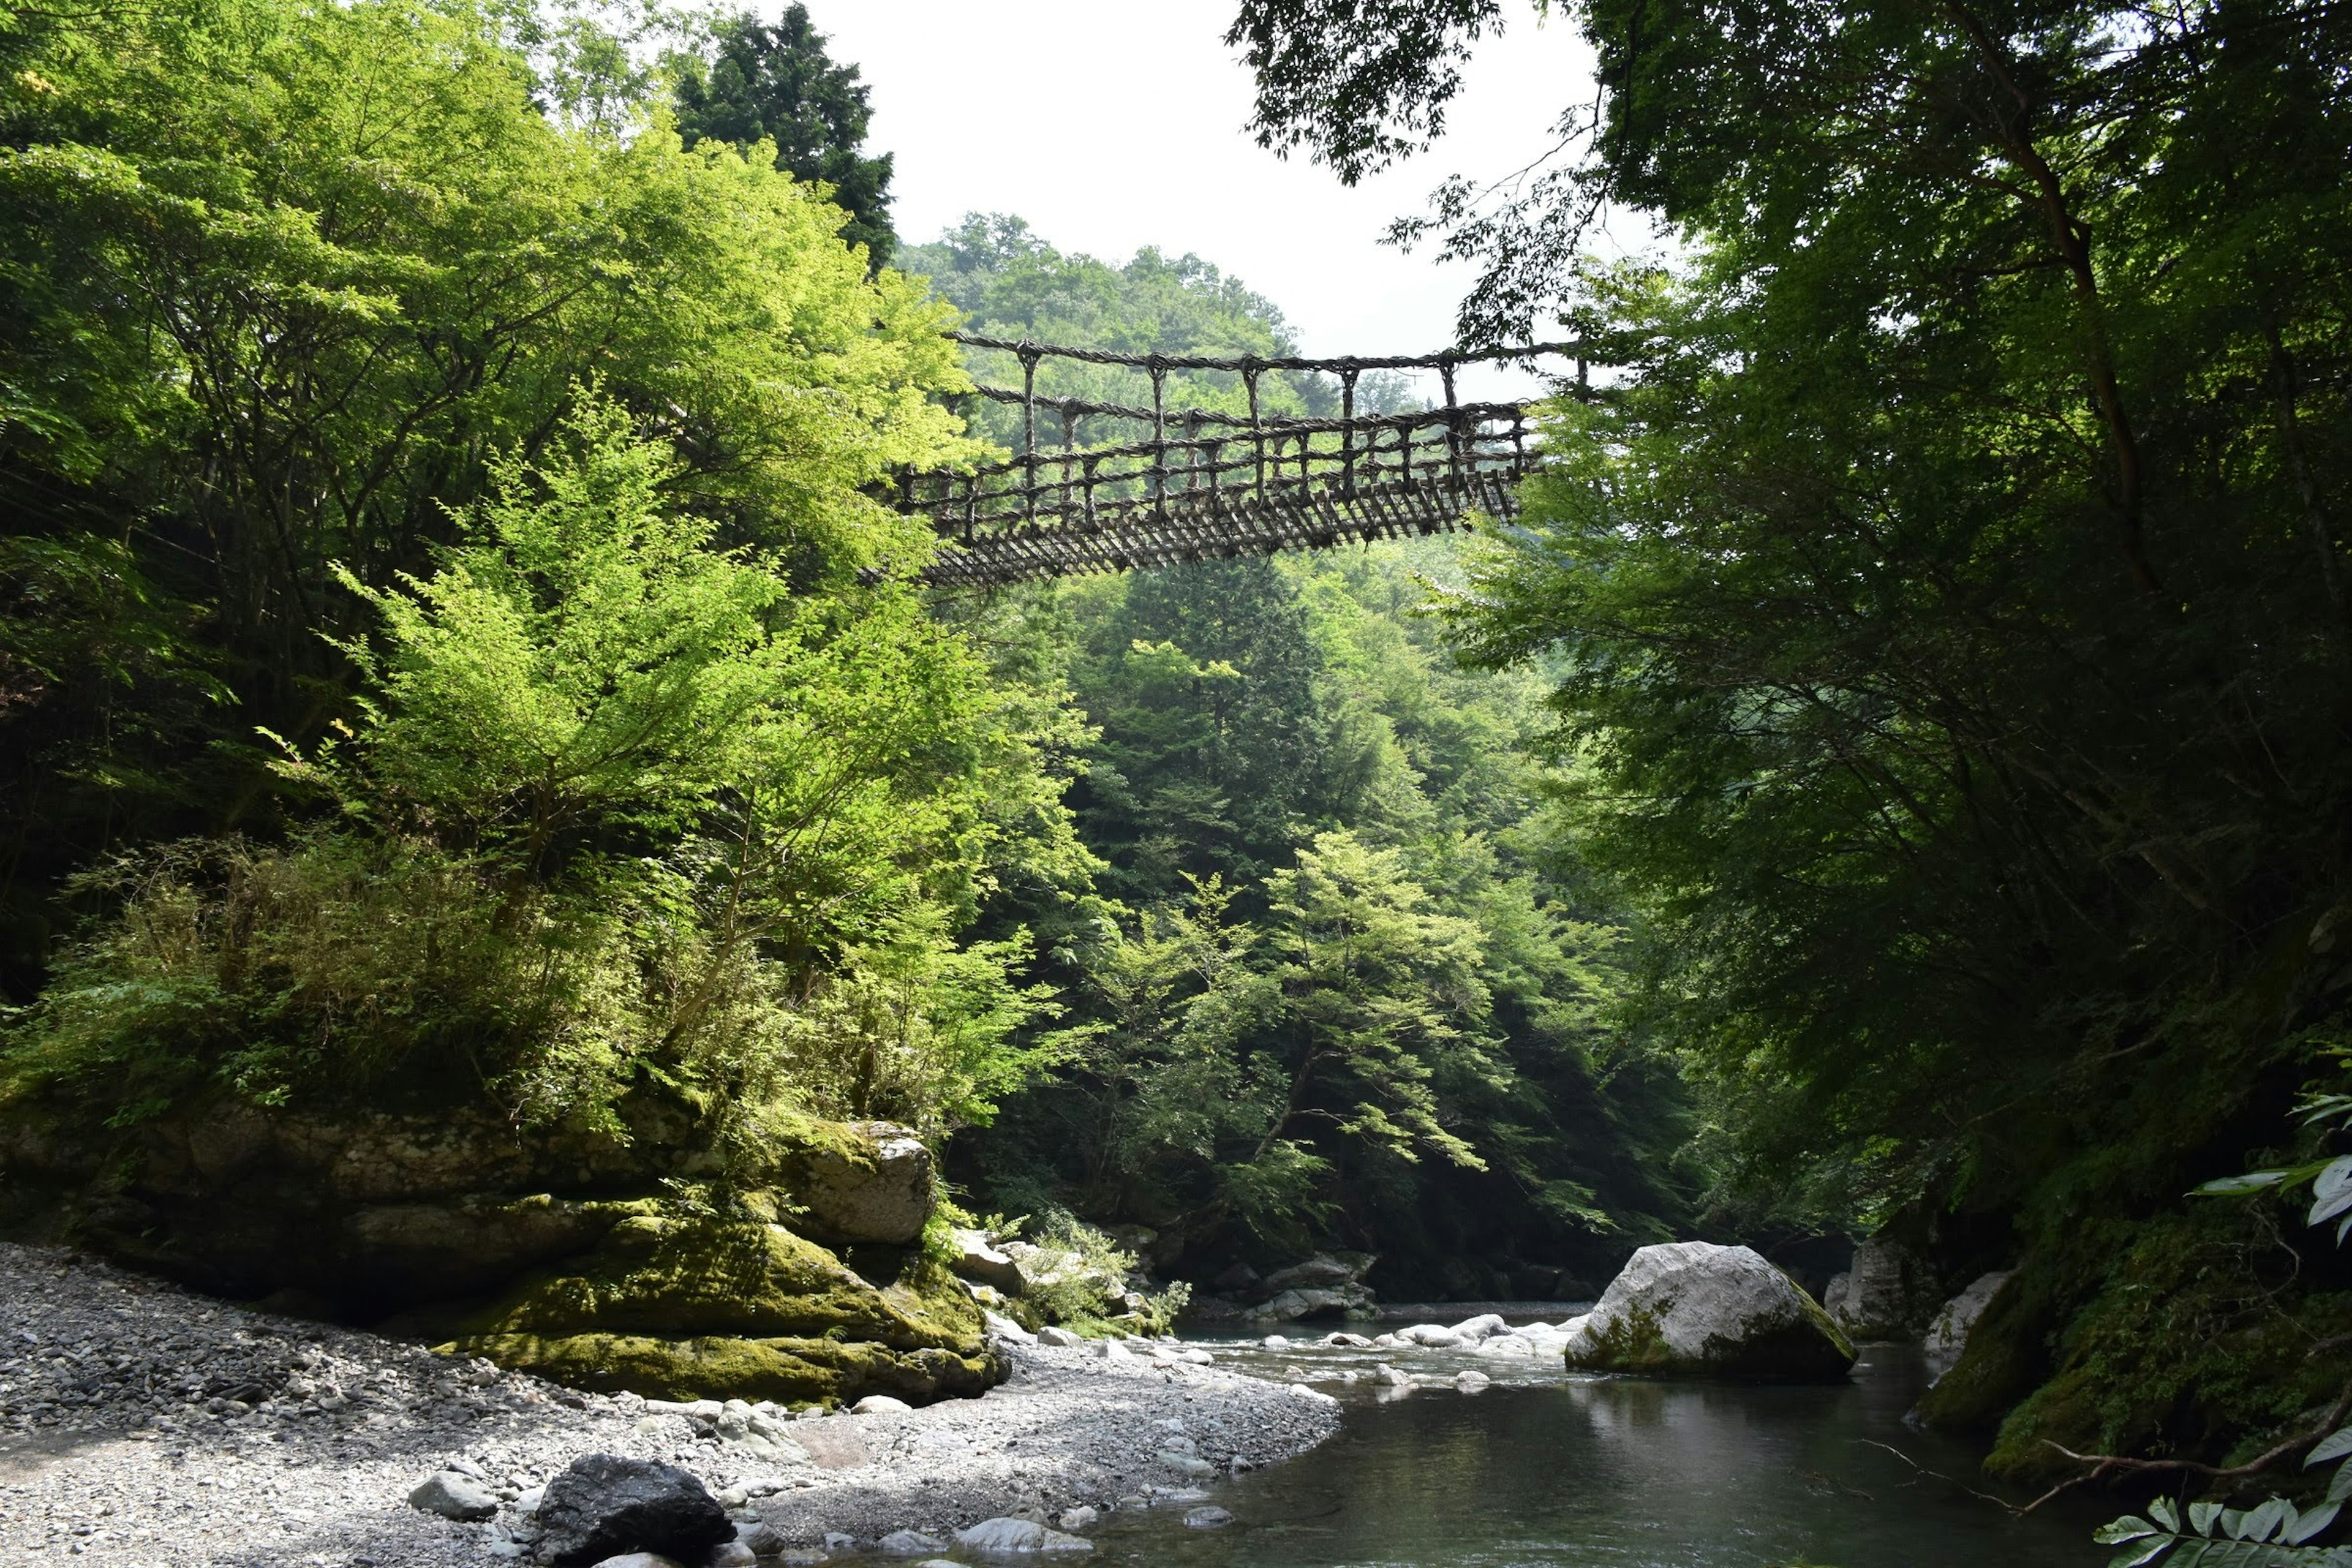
(1203, 481)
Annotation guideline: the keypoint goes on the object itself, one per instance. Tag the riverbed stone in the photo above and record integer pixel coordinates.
(606, 1504)
(453, 1494)
(971, 1255)
(1948, 1336)
(1692, 1309)
(1018, 1536)
(1889, 1293)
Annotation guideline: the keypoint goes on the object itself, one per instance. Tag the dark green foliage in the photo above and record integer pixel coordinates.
(777, 84)
(1947, 605)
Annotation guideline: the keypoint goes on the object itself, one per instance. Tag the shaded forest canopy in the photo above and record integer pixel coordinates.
(1898, 777)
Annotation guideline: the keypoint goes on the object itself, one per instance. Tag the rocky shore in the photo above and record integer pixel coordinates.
(144, 1427)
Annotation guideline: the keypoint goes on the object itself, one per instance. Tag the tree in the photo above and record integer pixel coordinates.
(1945, 603)
(777, 84)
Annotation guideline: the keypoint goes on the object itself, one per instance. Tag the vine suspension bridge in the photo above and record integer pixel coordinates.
(1205, 483)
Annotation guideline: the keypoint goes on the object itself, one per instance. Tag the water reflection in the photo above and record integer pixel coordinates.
(1553, 1471)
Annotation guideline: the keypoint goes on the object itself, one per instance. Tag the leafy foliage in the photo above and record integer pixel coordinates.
(777, 84)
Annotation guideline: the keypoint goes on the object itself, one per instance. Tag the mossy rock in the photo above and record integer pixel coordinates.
(790, 1371)
(2004, 1357)
(690, 1278)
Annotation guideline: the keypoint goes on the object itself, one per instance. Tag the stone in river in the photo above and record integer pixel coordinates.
(454, 1495)
(1948, 1336)
(1690, 1309)
(1391, 1377)
(1431, 1336)
(1481, 1328)
(1207, 1519)
(1018, 1536)
(604, 1504)
(909, 1543)
(1054, 1334)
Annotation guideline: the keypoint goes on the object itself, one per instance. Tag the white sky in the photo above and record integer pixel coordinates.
(1114, 124)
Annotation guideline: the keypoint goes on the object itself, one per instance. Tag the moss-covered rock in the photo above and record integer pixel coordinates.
(704, 1307)
(789, 1371)
(689, 1277)
(1693, 1309)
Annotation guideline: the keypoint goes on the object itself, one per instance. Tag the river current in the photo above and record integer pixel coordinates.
(1543, 1468)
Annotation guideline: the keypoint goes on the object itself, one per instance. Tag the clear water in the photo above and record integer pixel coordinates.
(1543, 1468)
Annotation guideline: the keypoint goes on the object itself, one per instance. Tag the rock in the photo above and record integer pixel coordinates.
(1431, 1336)
(1189, 1465)
(970, 1255)
(1323, 1271)
(1001, 1327)
(1079, 1518)
(1207, 1519)
(761, 1539)
(1342, 1341)
(1390, 1377)
(839, 1541)
(1275, 1343)
(639, 1559)
(603, 1504)
(1948, 1336)
(1692, 1309)
(452, 1494)
(1193, 1355)
(733, 1554)
(1506, 1345)
(672, 1305)
(527, 1500)
(878, 1405)
(1471, 1381)
(1890, 1293)
(1291, 1305)
(907, 1544)
(1480, 1328)
(1018, 1536)
(1053, 1334)
(874, 1185)
(1240, 1277)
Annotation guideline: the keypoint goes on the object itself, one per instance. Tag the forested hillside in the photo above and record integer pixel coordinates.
(1329, 984)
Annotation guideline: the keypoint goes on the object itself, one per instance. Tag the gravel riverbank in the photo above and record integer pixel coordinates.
(143, 1427)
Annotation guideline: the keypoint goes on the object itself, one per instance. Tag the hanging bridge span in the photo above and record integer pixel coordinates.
(1194, 483)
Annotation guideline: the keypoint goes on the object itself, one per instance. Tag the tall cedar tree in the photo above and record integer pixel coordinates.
(777, 82)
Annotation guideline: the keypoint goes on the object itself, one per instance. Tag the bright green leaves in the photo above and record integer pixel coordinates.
(2273, 1534)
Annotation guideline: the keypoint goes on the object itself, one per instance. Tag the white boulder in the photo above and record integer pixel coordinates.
(1889, 1293)
(1690, 1309)
(1948, 1336)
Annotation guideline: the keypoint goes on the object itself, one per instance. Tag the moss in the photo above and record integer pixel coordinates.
(2197, 1343)
(2005, 1357)
(788, 1370)
(694, 1277)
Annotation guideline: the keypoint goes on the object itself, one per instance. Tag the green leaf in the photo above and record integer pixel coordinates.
(2334, 1446)
(2311, 1523)
(2134, 1556)
(2162, 1510)
(2115, 1531)
(2234, 1186)
(2233, 1523)
(2341, 1486)
(2202, 1516)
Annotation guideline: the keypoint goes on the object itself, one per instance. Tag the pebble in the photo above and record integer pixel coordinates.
(195, 1411)
(454, 1495)
(879, 1404)
(1207, 1519)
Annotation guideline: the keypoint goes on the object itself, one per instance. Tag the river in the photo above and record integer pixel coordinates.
(1544, 1468)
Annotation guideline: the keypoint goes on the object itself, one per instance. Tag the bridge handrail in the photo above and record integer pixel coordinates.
(1444, 359)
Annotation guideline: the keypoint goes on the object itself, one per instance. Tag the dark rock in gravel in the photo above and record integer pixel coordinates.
(604, 1505)
(454, 1496)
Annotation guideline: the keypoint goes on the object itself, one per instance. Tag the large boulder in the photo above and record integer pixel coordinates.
(1324, 1271)
(604, 1505)
(870, 1182)
(683, 1308)
(1690, 1309)
(1947, 1338)
(1888, 1293)
(972, 1256)
(564, 1250)
(1295, 1305)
